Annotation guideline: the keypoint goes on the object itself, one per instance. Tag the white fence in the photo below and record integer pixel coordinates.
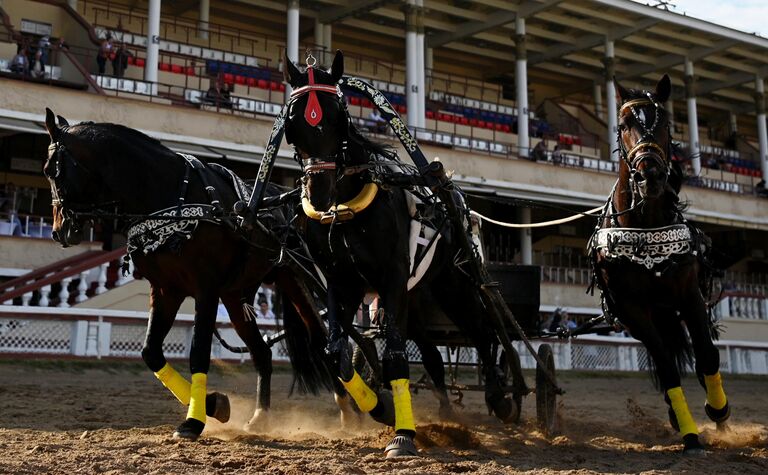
(91, 333)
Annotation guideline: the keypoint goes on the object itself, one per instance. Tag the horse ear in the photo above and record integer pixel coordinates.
(50, 125)
(290, 72)
(663, 89)
(623, 93)
(337, 69)
(62, 121)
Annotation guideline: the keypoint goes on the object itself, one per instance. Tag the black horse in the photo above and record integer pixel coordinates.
(651, 264)
(358, 233)
(197, 251)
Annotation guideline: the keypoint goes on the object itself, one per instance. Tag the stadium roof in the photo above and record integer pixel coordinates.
(565, 40)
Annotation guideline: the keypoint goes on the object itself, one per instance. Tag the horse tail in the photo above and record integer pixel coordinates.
(676, 342)
(305, 339)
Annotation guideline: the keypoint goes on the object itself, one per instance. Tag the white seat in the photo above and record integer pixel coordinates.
(251, 61)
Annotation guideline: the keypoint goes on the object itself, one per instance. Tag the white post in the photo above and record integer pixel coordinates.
(44, 292)
(762, 136)
(319, 34)
(204, 16)
(521, 83)
(9, 301)
(526, 241)
(25, 299)
(598, 93)
(102, 287)
(64, 293)
(292, 38)
(610, 101)
(421, 65)
(693, 122)
(82, 287)
(411, 59)
(153, 44)
(733, 119)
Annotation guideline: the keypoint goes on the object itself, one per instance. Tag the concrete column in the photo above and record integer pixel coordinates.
(526, 241)
(598, 93)
(411, 64)
(521, 89)
(693, 122)
(292, 37)
(153, 44)
(610, 101)
(319, 34)
(429, 60)
(733, 122)
(204, 16)
(421, 78)
(327, 36)
(762, 135)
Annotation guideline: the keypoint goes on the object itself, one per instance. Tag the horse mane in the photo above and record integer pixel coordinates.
(105, 131)
(367, 146)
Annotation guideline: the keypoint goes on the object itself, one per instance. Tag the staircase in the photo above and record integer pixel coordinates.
(67, 282)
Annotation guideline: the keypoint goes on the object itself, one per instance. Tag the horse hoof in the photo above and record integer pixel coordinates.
(217, 406)
(189, 430)
(259, 422)
(384, 412)
(718, 415)
(350, 418)
(692, 446)
(401, 446)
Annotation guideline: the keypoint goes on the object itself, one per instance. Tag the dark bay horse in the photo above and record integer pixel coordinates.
(358, 233)
(650, 263)
(95, 167)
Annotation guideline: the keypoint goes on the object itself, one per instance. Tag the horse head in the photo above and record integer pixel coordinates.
(317, 126)
(72, 184)
(645, 143)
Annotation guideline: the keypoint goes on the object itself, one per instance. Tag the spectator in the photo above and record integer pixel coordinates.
(120, 61)
(20, 62)
(263, 311)
(539, 153)
(37, 69)
(376, 122)
(105, 52)
(557, 155)
(760, 188)
(42, 47)
(7, 211)
(226, 96)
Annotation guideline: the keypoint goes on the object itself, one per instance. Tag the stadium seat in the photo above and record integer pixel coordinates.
(355, 101)
(140, 62)
(229, 78)
(164, 67)
(281, 87)
(251, 82)
(176, 69)
(430, 114)
(262, 84)
(240, 80)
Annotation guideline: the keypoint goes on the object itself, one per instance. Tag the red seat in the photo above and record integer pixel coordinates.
(481, 124)
(229, 78)
(189, 71)
(164, 67)
(240, 80)
(366, 103)
(355, 101)
(281, 87)
(275, 86)
(130, 59)
(463, 121)
(402, 109)
(506, 128)
(498, 127)
(262, 83)
(473, 122)
(176, 69)
(251, 82)
(140, 62)
(430, 114)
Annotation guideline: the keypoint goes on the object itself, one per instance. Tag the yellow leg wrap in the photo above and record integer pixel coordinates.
(197, 397)
(364, 396)
(175, 383)
(403, 409)
(715, 394)
(684, 418)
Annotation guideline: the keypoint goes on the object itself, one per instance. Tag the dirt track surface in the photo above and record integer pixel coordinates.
(116, 418)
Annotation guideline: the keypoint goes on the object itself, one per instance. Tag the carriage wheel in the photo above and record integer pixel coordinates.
(508, 365)
(546, 392)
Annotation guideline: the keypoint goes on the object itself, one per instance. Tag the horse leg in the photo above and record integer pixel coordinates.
(431, 359)
(642, 327)
(394, 319)
(707, 359)
(199, 363)
(261, 355)
(164, 304)
(341, 308)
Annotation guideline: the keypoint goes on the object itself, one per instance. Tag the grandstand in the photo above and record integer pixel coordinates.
(481, 83)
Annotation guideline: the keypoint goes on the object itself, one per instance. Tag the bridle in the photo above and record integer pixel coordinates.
(646, 149)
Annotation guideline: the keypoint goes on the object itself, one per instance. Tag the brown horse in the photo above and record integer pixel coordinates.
(193, 249)
(650, 263)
